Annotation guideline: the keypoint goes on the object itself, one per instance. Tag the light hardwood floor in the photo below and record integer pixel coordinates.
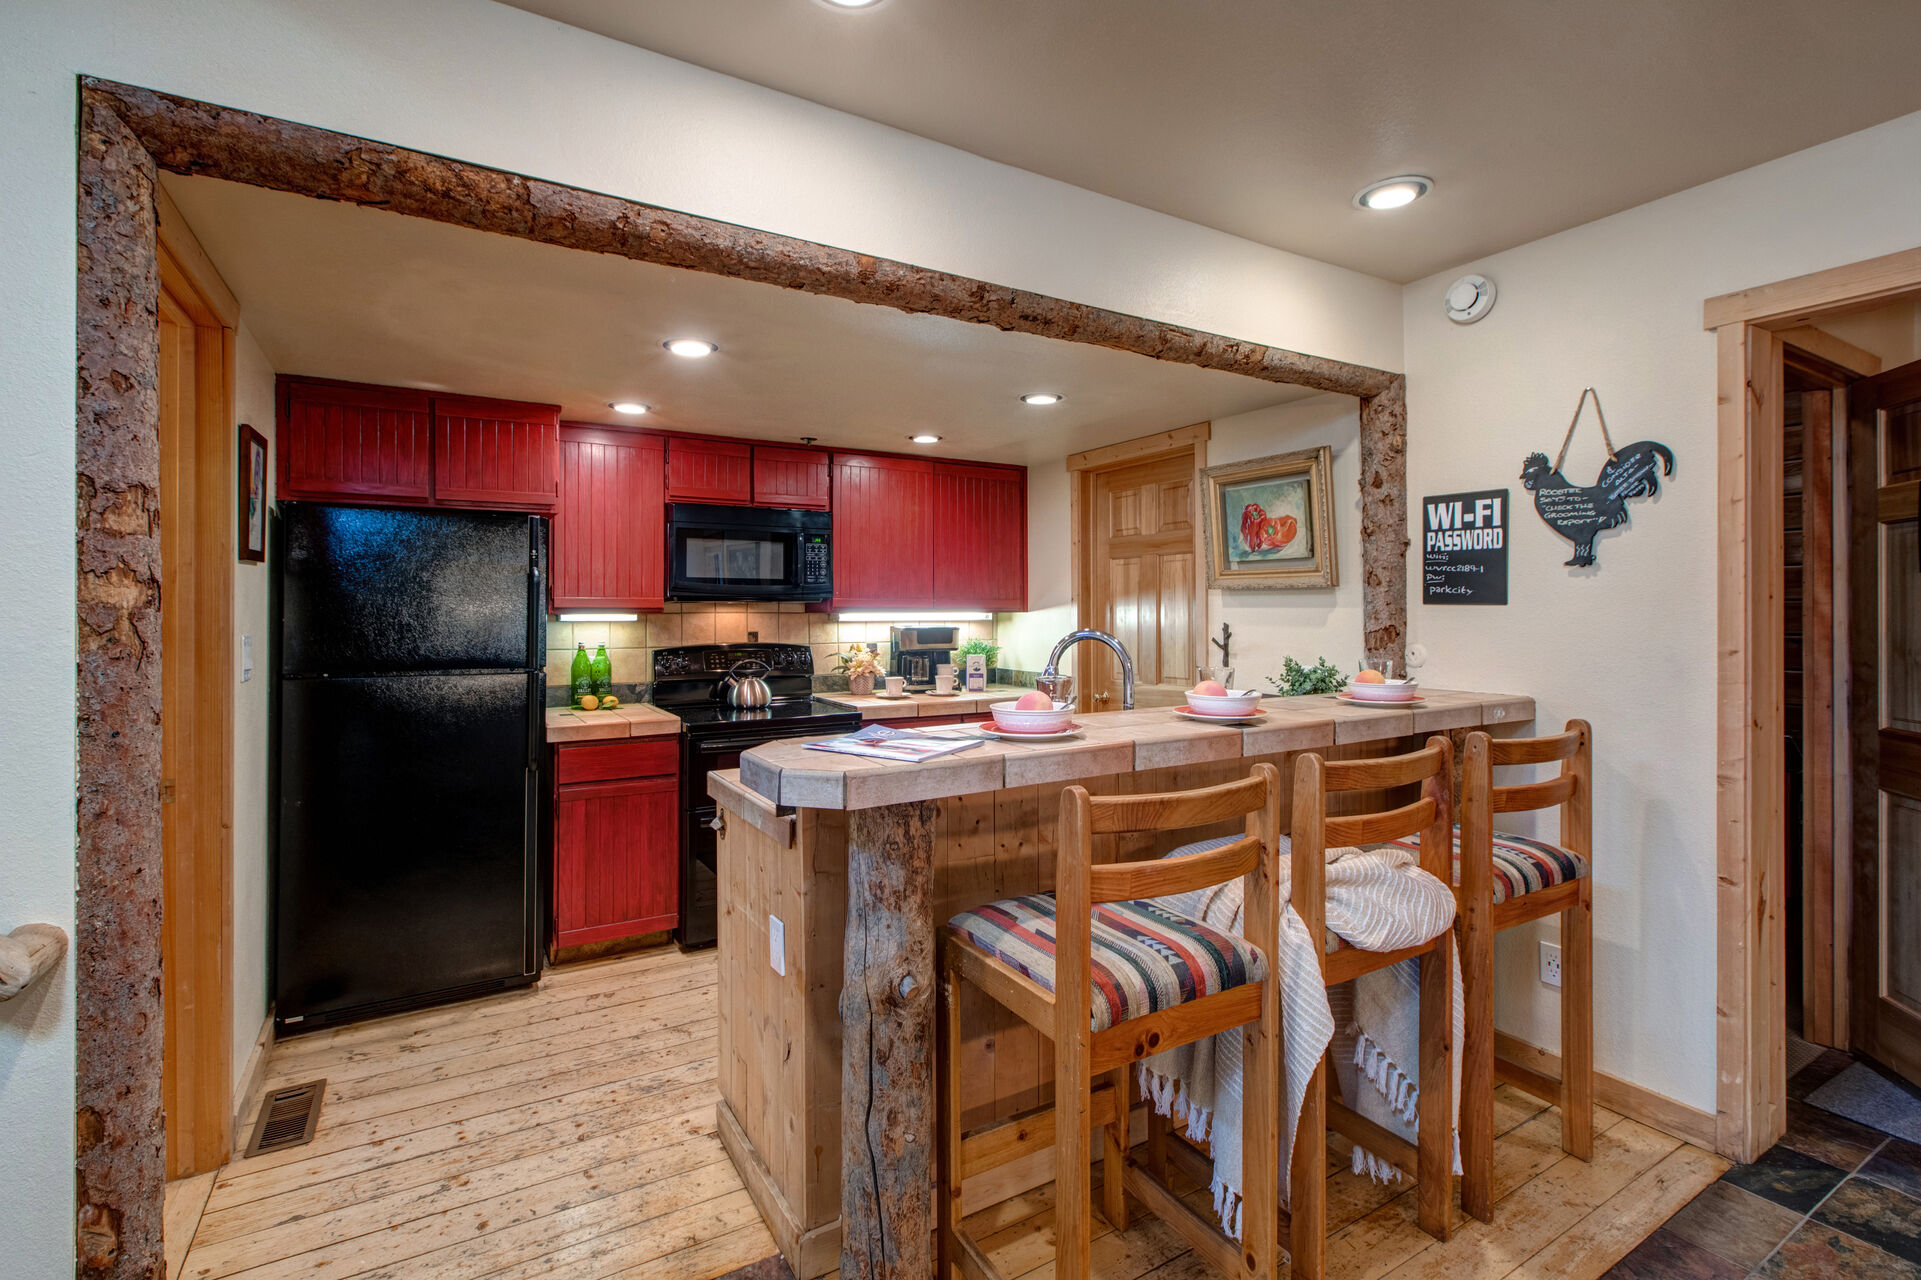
(568, 1131)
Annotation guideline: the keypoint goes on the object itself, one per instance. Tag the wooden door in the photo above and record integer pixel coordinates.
(496, 453)
(883, 532)
(1143, 583)
(1884, 469)
(980, 537)
(343, 442)
(610, 530)
(791, 477)
(616, 859)
(719, 472)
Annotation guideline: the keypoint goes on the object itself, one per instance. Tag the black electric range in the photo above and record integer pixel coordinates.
(690, 681)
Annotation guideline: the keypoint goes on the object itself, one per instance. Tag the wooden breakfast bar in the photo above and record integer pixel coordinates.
(835, 873)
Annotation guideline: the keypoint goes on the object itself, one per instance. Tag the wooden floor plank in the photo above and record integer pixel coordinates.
(1611, 1231)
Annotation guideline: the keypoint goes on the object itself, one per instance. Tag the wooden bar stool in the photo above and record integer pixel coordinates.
(1506, 880)
(1430, 1160)
(1112, 980)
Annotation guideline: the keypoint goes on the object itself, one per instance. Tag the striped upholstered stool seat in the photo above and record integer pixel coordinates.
(1521, 865)
(1146, 957)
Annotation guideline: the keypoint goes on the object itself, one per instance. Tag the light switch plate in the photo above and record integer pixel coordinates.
(777, 945)
(246, 659)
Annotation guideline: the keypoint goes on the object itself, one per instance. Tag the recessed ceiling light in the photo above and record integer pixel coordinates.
(852, 4)
(925, 438)
(691, 348)
(1392, 193)
(632, 407)
(1041, 397)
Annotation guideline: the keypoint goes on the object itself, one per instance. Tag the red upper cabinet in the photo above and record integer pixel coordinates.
(790, 477)
(343, 442)
(713, 471)
(610, 529)
(883, 532)
(496, 453)
(980, 537)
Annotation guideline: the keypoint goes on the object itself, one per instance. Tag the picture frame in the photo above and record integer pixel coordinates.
(1270, 522)
(251, 528)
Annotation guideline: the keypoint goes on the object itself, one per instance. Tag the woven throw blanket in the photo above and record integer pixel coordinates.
(1378, 899)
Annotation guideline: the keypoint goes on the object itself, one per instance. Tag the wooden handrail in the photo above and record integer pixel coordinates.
(26, 954)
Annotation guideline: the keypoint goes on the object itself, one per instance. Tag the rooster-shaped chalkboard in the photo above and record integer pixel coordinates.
(1577, 513)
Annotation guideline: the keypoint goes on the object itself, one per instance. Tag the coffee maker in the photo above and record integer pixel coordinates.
(919, 651)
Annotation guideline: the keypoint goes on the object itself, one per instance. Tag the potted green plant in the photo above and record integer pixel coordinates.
(1296, 680)
(986, 648)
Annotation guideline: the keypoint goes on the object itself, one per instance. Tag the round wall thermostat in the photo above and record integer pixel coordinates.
(1469, 298)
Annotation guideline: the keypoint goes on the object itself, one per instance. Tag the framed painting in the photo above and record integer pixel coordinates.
(252, 526)
(1270, 522)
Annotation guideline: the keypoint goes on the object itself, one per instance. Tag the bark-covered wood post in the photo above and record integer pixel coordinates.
(120, 1140)
(887, 1046)
(1384, 539)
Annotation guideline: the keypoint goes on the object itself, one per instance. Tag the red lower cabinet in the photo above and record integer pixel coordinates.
(616, 844)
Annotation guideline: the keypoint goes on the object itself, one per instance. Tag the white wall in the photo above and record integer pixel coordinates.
(489, 84)
(1629, 644)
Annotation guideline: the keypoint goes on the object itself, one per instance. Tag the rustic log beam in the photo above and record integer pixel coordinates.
(887, 1046)
(1384, 539)
(120, 1142)
(192, 137)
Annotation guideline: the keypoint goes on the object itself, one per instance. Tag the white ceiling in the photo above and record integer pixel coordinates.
(338, 291)
(1264, 118)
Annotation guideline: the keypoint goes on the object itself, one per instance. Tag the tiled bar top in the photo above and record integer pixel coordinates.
(629, 720)
(873, 706)
(786, 773)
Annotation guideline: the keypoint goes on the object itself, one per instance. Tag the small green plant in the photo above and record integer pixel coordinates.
(987, 647)
(1296, 680)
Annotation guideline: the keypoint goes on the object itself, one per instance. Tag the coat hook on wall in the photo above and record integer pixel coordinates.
(1222, 643)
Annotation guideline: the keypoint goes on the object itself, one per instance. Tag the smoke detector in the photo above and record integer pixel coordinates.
(1469, 298)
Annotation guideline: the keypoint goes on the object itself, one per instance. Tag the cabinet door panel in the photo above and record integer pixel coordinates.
(610, 529)
(883, 532)
(980, 532)
(714, 471)
(495, 453)
(616, 859)
(341, 442)
(790, 478)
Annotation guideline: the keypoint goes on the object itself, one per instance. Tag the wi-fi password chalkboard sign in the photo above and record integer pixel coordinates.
(1464, 548)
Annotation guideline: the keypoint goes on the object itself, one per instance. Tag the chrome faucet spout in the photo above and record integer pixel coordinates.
(1073, 638)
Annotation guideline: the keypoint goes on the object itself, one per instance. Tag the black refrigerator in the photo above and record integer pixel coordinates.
(408, 741)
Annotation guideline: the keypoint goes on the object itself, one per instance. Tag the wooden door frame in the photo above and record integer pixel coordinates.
(1751, 328)
(126, 136)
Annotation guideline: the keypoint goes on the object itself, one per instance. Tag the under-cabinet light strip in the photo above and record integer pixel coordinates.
(600, 617)
(913, 616)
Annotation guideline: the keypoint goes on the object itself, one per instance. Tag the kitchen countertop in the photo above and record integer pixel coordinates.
(872, 706)
(629, 720)
(1111, 742)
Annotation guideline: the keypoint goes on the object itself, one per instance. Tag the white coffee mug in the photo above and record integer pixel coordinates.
(896, 686)
(944, 682)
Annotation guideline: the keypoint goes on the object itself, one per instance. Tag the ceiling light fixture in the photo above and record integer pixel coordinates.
(852, 4)
(690, 348)
(925, 438)
(1392, 193)
(1042, 397)
(633, 408)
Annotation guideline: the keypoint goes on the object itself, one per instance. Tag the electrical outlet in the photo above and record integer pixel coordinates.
(1551, 964)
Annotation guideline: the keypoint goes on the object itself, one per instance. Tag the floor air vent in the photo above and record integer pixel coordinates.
(287, 1118)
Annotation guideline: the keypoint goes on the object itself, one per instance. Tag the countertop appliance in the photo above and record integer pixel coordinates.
(919, 651)
(749, 553)
(408, 738)
(691, 681)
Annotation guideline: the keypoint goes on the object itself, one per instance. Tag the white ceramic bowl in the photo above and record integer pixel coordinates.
(1238, 702)
(1386, 691)
(1007, 717)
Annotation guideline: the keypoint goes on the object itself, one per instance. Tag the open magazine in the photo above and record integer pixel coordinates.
(884, 743)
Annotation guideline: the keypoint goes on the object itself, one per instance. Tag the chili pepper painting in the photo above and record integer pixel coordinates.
(1270, 520)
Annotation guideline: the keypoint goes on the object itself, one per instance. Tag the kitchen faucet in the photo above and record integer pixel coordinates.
(1120, 651)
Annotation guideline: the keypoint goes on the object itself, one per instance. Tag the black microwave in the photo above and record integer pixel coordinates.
(749, 553)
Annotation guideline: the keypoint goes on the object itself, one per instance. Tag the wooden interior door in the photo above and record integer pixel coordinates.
(1884, 426)
(1144, 585)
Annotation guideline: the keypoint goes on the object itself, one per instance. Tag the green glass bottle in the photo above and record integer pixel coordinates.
(581, 680)
(603, 673)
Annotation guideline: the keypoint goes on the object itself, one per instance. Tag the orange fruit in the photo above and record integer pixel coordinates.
(1370, 676)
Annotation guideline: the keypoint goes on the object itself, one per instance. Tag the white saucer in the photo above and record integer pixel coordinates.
(936, 693)
(1248, 718)
(1353, 701)
(892, 697)
(989, 730)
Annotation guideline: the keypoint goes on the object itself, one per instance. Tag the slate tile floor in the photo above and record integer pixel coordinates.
(1832, 1199)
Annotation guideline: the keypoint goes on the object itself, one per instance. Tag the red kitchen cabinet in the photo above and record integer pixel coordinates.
(496, 453)
(980, 523)
(616, 847)
(883, 532)
(610, 529)
(343, 442)
(713, 471)
(790, 477)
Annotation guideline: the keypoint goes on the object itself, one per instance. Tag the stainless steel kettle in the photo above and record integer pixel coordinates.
(748, 690)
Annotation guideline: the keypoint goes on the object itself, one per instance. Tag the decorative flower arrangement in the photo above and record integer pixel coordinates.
(860, 663)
